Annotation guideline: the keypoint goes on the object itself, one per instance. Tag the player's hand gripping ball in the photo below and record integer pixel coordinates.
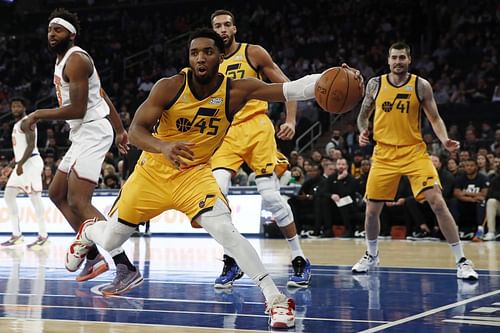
(338, 90)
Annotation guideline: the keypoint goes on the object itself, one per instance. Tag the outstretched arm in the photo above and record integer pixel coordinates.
(263, 61)
(367, 108)
(431, 111)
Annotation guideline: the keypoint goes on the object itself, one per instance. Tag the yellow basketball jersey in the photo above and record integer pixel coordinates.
(397, 113)
(202, 121)
(237, 66)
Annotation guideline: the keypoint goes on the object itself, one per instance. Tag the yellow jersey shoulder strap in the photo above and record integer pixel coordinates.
(183, 72)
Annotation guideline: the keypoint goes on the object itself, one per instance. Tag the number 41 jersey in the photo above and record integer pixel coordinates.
(203, 122)
(397, 113)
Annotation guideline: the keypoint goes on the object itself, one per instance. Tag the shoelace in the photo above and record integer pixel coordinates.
(228, 263)
(299, 266)
(121, 274)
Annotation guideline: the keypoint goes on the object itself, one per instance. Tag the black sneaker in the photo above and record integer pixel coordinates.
(230, 273)
(301, 273)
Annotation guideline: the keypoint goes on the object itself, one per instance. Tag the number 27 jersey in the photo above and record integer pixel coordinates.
(204, 122)
(397, 113)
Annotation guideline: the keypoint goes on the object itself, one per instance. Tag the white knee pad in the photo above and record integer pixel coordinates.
(269, 189)
(217, 223)
(223, 178)
(110, 235)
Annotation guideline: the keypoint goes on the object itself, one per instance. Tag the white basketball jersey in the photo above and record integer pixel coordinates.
(97, 108)
(19, 142)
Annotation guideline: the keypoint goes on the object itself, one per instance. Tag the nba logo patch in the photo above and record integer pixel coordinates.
(216, 100)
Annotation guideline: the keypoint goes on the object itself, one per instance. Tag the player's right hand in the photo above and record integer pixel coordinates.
(19, 169)
(178, 152)
(364, 138)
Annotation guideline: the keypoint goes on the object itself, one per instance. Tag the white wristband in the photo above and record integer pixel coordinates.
(301, 89)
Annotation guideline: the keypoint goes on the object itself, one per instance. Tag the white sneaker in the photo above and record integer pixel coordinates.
(465, 270)
(489, 236)
(79, 248)
(281, 312)
(365, 263)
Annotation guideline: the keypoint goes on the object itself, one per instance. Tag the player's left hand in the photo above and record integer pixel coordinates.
(19, 169)
(287, 131)
(121, 142)
(451, 145)
(359, 77)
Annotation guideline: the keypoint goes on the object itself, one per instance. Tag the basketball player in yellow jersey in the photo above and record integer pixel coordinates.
(398, 99)
(193, 109)
(251, 139)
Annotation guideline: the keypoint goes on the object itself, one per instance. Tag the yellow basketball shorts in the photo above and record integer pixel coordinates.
(389, 163)
(253, 142)
(155, 187)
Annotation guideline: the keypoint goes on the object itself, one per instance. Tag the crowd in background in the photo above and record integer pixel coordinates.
(454, 47)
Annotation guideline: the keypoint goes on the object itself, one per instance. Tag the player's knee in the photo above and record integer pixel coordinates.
(269, 190)
(57, 197)
(217, 222)
(223, 178)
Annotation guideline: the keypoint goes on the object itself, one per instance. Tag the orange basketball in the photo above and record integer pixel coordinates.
(338, 90)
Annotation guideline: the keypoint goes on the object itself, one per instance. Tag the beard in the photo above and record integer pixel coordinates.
(60, 47)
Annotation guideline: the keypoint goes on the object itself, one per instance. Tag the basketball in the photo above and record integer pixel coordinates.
(338, 90)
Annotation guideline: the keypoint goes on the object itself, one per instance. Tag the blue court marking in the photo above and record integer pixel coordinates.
(390, 299)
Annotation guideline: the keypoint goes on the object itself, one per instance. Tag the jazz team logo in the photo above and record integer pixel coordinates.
(205, 121)
(403, 104)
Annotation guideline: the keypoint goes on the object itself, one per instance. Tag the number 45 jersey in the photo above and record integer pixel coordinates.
(201, 121)
(397, 113)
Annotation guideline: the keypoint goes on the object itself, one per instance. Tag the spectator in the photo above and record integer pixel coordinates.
(297, 176)
(47, 177)
(340, 202)
(493, 204)
(336, 141)
(303, 204)
(482, 164)
(471, 191)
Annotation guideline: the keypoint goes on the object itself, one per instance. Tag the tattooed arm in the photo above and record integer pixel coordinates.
(367, 108)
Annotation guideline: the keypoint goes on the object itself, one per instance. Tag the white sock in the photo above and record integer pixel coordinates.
(372, 247)
(268, 288)
(457, 250)
(36, 200)
(10, 199)
(294, 245)
(110, 235)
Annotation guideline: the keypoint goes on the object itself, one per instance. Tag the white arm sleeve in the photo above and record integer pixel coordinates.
(301, 89)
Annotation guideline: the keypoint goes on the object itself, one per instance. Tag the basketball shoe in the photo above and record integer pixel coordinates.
(125, 280)
(93, 268)
(465, 270)
(281, 311)
(14, 240)
(302, 273)
(365, 263)
(230, 273)
(77, 251)
(39, 242)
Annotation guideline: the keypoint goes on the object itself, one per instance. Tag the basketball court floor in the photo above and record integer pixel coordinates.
(414, 290)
